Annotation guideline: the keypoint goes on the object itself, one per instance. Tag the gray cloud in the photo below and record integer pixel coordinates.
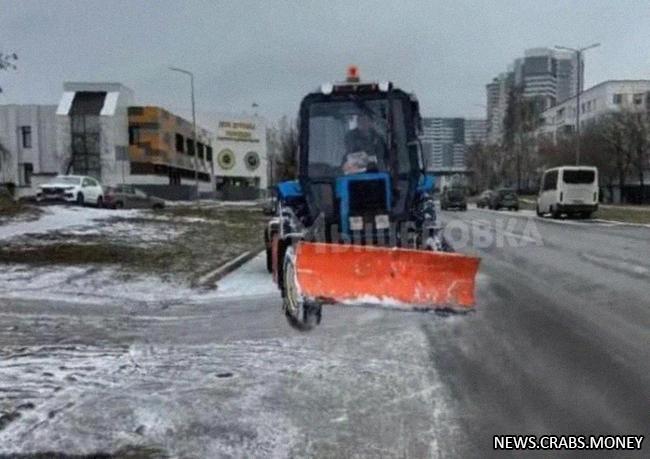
(274, 52)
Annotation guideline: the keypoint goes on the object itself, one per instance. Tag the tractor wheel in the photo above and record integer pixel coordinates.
(301, 314)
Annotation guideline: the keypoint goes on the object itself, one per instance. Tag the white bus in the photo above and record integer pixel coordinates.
(571, 190)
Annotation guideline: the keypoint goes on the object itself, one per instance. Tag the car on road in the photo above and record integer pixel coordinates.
(571, 190)
(78, 189)
(484, 199)
(131, 197)
(453, 198)
(504, 198)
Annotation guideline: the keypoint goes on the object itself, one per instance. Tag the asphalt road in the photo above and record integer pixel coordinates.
(559, 344)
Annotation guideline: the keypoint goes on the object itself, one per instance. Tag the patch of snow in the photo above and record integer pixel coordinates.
(93, 285)
(252, 279)
(56, 218)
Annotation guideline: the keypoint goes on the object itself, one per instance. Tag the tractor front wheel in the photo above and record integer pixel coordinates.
(301, 314)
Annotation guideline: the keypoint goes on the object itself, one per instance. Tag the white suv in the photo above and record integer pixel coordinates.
(72, 188)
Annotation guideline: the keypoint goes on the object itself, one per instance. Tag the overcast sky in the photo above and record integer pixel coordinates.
(274, 52)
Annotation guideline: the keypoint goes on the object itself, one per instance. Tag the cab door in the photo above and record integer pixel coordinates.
(548, 193)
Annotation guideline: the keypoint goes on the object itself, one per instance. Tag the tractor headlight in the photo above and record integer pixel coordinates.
(382, 222)
(356, 223)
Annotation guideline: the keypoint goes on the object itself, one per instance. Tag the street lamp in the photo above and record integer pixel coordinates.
(578, 52)
(196, 150)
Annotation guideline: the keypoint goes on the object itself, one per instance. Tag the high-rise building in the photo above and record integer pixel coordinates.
(548, 75)
(497, 105)
(445, 141)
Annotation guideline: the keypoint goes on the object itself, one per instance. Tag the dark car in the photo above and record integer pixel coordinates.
(130, 197)
(505, 198)
(484, 199)
(453, 198)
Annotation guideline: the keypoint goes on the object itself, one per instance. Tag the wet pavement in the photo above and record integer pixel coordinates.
(558, 345)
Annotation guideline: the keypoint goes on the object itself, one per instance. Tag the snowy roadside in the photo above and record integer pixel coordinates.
(108, 285)
(138, 257)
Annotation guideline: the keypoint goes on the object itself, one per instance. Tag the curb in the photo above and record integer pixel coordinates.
(208, 279)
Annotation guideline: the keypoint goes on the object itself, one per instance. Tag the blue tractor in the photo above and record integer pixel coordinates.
(359, 223)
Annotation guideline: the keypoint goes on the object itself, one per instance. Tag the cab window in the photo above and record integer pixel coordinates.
(550, 181)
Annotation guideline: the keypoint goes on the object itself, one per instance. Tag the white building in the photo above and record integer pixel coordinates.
(241, 163)
(608, 96)
(93, 129)
(28, 154)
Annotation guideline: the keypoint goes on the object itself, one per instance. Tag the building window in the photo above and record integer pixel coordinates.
(28, 170)
(180, 143)
(134, 135)
(190, 147)
(617, 99)
(199, 148)
(638, 99)
(208, 153)
(26, 135)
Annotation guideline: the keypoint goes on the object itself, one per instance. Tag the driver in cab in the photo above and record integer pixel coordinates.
(365, 148)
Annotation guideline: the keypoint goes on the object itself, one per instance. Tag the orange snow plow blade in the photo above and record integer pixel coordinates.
(402, 278)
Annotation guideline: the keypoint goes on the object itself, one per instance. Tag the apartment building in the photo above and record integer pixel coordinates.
(605, 97)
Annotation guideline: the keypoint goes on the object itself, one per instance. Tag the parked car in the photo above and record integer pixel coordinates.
(72, 188)
(570, 190)
(130, 197)
(505, 198)
(453, 197)
(484, 199)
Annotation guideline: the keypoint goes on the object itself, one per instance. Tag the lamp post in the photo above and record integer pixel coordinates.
(578, 52)
(196, 150)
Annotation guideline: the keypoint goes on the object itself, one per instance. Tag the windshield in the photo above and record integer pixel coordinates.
(66, 179)
(507, 193)
(580, 176)
(350, 137)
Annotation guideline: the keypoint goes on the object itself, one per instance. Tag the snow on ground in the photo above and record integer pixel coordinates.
(101, 285)
(55, 218)
(252, 279)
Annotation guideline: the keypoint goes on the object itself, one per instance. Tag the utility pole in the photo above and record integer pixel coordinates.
(196, 149)
(578, 52)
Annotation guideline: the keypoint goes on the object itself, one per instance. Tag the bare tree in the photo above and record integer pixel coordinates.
(521, 119)
(638, 133)
(283, 147)
(7, 62)
(485, 164)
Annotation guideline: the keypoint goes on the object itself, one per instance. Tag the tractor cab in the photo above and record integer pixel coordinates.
(359, 161)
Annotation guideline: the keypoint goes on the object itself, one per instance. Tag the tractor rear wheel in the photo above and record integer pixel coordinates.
(301, 314)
